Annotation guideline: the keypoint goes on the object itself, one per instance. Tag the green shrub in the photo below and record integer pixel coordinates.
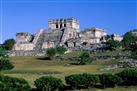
(85, 80)
(3, 52)
(51, 52)
(5, 64)
(13, 84)
(60, 50)
(85, 58)
(48, 83)
(109, 80)
(129, 76)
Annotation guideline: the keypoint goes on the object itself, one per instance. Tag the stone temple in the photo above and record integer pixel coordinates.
(60, 32)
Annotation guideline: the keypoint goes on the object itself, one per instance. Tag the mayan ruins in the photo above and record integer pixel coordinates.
(60, 32)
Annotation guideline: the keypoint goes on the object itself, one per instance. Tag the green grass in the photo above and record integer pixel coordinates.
(31, 68)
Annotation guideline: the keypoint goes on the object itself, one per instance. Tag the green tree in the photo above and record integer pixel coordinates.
(51, 52)
(128, 39)
(60, 50)
(130, 43)
(112, 44)
(8, 44)
(85, 58)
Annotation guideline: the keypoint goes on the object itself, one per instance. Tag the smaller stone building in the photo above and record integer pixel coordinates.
(117, 37)
(23, 37)
(92, 35)
(24, 41)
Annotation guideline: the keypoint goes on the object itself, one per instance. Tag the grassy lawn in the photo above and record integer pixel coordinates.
(31, 68)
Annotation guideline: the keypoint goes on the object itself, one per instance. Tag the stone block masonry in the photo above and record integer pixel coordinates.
(60, 32)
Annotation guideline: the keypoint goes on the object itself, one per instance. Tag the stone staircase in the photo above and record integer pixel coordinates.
(39, 43)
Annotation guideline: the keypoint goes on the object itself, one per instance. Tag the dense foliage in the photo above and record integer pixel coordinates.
(85, 80)
(3, 52)
(85, 58)
(51, 52)
(48, 83)
(133, 49)
(60, 50)
(13, 84)
(112, 44)
(128, 40)
(8, 44)
(109, 80)
(129, 76)
(130, 43)
(5, 63)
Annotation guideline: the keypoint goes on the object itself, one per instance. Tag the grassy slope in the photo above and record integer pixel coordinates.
(31, 68)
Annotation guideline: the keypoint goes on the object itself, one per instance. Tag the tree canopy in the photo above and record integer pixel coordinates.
(112, 44)
(130, 43)
(8, 44)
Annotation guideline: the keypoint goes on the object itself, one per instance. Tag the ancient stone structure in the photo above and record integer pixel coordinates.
(60, 32)
(117, 37)
(93, 35)
(23, 41)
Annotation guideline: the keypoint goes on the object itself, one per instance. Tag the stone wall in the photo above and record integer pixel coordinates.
(24, 46)
(23, 37)
(26, 53)
(127, 63)
(117, 37)
(37, 36)
(92, 36)
(48, 44)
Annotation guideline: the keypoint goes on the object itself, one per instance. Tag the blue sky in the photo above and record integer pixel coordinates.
(115, 16)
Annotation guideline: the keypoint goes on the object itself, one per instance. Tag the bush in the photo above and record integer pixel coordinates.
(109, 80)
(5, 64)
(13, 84)
(51, 52)
(3, 52)
(85, 58)
(86, 80)
(129, 76)
(60, 50)
(48, 83)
